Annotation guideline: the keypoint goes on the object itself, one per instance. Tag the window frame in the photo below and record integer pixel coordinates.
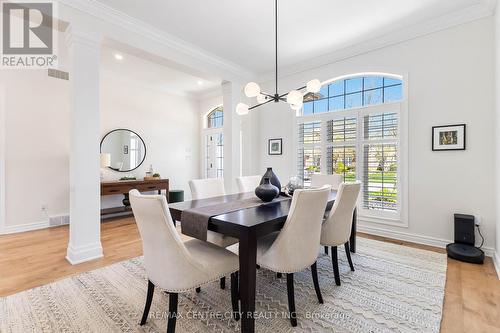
(400, 218)
(362, 91)
(211, 115)
(214, 132)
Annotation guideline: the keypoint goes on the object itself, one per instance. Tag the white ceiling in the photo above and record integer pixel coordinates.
(242, 32)
(134, 68)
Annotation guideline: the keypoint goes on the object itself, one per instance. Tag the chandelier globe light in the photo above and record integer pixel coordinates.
(295, 98)
(313, 86)
(241, 109)
(252, 89)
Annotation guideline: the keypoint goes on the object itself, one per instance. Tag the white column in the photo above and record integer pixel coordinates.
(85, 224)
(2, 158)
(232, 139)
(496, 256)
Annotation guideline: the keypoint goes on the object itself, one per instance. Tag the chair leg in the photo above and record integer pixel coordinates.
(335, 265)
(348, 253)
(279, 275)
(234, 296)
(314, 271)
(326, 250)
(222, 283)
(172, 312)
(291, 299)
(149, 299)
(198, 290)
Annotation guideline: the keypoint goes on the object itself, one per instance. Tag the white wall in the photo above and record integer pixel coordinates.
(450, 80)
(37, 146)
(168, 124)
(497, 139)
(37, 140)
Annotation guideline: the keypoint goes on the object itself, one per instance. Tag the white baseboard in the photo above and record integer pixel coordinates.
(419, 239)
(496, 261)
(12, 229)
(84, 253)
(53, 221)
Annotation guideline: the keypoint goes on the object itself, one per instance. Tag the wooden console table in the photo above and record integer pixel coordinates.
(124, 186)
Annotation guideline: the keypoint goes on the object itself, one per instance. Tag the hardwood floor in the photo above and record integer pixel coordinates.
(31, 259)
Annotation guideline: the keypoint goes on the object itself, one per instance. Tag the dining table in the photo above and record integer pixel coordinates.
(248, 225)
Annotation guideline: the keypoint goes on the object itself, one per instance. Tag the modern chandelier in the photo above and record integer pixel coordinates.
(294, 97)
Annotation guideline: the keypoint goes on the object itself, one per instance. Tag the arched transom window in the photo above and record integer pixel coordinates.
(215, 118)
(353, 93)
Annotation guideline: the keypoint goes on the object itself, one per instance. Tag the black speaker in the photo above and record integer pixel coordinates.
(464, 229)
(463, 249)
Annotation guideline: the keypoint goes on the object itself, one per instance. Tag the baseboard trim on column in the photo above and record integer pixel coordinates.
(496, 262)
(84, 253)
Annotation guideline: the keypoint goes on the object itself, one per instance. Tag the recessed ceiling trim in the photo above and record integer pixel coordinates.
(210, 93)
(481, 10)
(112, 77)
(115, 17)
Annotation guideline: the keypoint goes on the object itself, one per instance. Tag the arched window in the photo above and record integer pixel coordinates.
(353, 92)
(352, 127)
(215, 118)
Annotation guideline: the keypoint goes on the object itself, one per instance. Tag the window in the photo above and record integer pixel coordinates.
(354, 124)
(380, 147)
(353, 93)
(214, 144)
(215, 119)
(341, 151)
(310, 152)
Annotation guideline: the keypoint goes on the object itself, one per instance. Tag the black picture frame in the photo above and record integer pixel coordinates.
(271, 151)
(461, 138)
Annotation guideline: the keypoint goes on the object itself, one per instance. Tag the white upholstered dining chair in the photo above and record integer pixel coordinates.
(337, 227)
(295, 247)
(318, 180)
(248, 183)
(209, 188)
(175, 266)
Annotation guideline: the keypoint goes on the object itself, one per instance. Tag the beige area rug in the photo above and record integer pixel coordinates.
(394, 289)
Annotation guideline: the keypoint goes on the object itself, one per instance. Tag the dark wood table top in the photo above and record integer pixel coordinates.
(247, 225)
(262, 219)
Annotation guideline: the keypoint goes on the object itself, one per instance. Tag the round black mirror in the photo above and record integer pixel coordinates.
(125, 150)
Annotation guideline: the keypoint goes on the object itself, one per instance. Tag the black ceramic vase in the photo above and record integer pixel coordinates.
(267, 191)
(272, 178)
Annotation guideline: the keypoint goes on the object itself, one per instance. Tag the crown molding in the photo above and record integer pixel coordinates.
(482, 9)
(129, 23)
(491, 4)
(75, 35)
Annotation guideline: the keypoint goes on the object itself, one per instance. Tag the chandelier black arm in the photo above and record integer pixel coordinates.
(266, 94)
(256, 106)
